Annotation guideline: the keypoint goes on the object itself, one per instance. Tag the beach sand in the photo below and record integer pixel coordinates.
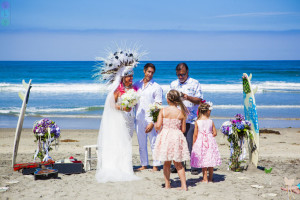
(282, 152)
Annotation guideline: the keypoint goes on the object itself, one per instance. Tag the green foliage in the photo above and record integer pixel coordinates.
(154, 115)
(236, 138)
(267, 171)
(246, 86)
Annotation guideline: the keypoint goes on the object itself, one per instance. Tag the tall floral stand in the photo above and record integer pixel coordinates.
(238, 134)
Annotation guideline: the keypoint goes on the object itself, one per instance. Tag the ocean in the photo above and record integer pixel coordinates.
(66, 92)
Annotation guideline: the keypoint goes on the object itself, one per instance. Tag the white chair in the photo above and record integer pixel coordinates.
(88, 156)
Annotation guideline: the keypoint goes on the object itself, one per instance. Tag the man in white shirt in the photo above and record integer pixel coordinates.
(191, 92)
(150, 92)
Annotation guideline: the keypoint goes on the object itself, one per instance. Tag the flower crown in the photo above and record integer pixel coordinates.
(210, 105)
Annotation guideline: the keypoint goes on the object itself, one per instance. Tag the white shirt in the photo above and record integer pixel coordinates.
(192, 88)
(149, 93)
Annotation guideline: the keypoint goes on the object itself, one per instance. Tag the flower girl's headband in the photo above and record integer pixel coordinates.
(210, 105)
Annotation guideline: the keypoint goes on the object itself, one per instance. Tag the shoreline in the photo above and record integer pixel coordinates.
(94, 122)
(83, 116)
(281, 152)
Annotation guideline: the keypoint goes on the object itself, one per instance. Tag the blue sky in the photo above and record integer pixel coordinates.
(168, 30)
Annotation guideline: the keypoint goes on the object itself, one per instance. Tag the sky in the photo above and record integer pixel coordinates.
(167, 30)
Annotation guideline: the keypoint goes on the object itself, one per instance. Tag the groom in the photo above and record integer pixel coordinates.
(150, 92)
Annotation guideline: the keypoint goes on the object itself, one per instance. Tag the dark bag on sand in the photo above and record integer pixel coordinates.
(68, 168)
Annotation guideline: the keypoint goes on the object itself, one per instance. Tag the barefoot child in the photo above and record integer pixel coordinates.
(170, 143)
(205, 153)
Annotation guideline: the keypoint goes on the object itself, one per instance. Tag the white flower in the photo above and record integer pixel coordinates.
(154, 107)
(129, 99)
(227, 123)
(210, 105)
(154, 110)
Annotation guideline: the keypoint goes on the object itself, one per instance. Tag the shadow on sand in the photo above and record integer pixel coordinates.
(192, 182)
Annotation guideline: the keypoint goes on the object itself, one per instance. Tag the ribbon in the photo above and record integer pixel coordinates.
(231, 152)
(46, 145)
(38, 148)
(205, 139)
(243, 147)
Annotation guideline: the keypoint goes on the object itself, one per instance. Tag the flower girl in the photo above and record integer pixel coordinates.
(205, 153)
(170, 143)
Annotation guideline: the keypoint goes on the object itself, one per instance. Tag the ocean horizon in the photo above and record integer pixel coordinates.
(66, 92)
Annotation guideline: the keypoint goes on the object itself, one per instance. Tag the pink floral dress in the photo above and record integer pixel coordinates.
(205, 152)
(170, 143)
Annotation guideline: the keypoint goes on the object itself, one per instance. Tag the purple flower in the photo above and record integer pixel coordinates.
(240, 126)
(225, 130)
(239, 117)
(233, 121)
(43, 126)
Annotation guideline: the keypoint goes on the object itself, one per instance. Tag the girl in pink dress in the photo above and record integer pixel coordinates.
(170, 143)
(205, 153)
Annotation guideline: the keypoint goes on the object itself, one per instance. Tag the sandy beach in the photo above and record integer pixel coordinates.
(281, 152)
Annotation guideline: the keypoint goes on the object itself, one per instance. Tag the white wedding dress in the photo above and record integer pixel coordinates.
(115, 143)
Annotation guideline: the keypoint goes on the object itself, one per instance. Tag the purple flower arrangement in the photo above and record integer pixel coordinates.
(46, 131)
(239, 125)
(236, 130)
(44, 127)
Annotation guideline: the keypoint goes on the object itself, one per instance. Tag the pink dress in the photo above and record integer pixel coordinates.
(205, 152)
(170, 143)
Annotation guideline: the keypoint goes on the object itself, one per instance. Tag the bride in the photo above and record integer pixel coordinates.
(116, 129)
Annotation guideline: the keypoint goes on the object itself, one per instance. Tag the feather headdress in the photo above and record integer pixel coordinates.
(120, 62)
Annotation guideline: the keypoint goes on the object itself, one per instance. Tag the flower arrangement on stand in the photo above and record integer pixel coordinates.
(237, 131)
(154, 111)
(45, 131)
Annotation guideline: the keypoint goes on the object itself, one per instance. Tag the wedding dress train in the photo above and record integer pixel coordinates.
(115, 144)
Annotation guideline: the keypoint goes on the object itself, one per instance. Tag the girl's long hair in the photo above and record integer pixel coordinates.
(174, 97)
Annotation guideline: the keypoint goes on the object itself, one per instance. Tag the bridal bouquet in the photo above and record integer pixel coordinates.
(154, 111)
(236, 130)
(46, 131)
(129, 99)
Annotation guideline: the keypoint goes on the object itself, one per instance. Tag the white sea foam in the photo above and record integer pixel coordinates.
(35, 110)
(96, 87)
(56, 88)
(40, 111)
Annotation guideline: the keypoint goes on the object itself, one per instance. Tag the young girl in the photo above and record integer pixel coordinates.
(170, 143)
(205, 153)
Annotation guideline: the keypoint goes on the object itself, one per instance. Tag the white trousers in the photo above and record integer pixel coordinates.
(142, 139)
